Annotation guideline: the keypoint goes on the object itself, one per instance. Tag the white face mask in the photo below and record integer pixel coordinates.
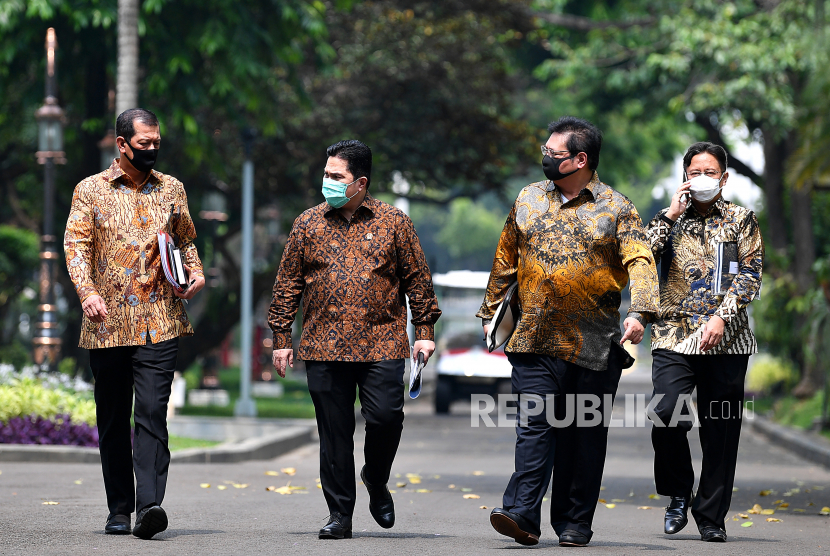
(704, 188)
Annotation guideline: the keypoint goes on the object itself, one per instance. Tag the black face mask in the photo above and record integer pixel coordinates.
(143, 161)
(551, 168)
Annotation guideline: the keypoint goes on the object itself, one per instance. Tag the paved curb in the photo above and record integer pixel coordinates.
(267, 446)
(809, 446)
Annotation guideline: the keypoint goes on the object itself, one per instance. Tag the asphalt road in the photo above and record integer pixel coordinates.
(433, 517)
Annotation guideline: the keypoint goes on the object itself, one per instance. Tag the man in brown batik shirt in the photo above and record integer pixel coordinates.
(352, 259)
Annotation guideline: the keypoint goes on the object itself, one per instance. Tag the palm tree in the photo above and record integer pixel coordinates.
(127, 80)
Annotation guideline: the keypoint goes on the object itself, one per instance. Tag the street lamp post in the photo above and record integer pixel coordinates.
(47, 342)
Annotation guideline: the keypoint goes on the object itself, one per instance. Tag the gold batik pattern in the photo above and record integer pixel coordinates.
(687, 250)
(572, 260)
(112, 250)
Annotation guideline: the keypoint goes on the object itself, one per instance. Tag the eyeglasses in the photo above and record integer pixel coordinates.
(551, 152)
(708, 173)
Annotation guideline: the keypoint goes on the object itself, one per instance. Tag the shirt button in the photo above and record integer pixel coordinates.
(369, 236)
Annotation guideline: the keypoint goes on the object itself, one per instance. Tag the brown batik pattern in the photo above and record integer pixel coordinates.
(572, 262)
(112, 250)
(352, 278)
(687, 250)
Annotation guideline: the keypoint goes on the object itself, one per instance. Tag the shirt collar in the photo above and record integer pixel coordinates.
(720, 206)
(369, 203)
(114, 172)
(591, 188)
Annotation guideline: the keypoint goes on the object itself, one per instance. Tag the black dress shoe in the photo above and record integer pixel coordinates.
(381, 505)
(150, 521)
(515, 526)
(710, 533)
(338, 527)
(118, 525)
(571, 537)
(676, 515)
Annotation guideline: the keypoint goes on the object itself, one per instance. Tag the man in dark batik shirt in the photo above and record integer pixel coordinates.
(352, 259)
(702, 338)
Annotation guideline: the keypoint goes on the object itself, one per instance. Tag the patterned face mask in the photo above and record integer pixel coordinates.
(335, 192)
(704, 189)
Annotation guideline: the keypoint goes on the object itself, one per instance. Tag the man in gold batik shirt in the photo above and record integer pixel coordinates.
(573, 244)
(132, 316)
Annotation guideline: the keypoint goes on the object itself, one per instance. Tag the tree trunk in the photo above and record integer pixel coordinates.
(775, 155)
(126, 95)
(805, 250)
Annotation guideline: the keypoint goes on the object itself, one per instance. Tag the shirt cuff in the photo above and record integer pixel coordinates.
(85, 292)
(666, 219)
(282, 340)
(642, 318)
(425, 332)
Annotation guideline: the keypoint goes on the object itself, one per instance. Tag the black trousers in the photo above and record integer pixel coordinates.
(575, 455)
(118, 370)
(720, 392)
(332, 385)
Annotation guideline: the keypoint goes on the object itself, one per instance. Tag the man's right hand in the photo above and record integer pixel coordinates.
(283, 358)
(94, 308)
(486, 330)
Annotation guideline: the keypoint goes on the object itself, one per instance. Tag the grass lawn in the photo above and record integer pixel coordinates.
(180, 443)
(792, 412)
(295, 403)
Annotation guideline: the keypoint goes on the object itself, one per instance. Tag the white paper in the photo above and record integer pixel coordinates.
(733, 267)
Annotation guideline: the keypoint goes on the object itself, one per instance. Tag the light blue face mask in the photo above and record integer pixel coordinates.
(335, 192)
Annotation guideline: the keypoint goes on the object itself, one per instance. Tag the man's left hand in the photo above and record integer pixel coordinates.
(634, 331)
(712, 333)
(425, 346)
(196, 283)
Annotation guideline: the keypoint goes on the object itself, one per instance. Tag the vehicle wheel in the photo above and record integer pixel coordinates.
(443, 395)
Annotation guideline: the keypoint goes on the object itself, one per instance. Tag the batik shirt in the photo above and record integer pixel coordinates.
(572, 260)
(352, 277)
(112, 250)
(687, 251)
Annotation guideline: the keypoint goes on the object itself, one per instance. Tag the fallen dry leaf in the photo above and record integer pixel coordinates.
(415, 480)
(204, 485)
(270, 488)
(319, 485)
(767, 512)
(783, 506)
(482, 507)
(240, 485)
(222, 487)
(283, 490)
(602, 488)
(734, 489)
(545, 499)
(436, 476)
(773, 520)
(79, 482)
(799, 510)
(654, 496)
(478, 473)
(50, 503)
(471, 496)
(644, 507)
(617, 500)
(746, 524)
(466, 490)
(400, 484)
(818, 487)
(745, 516)
(423, 490)
(602, 501)
(272, 473)
(824, 511)
(756, 509)
(777, 502)
(765, 492)
(609, 506)
(451, 486)
(288, 470)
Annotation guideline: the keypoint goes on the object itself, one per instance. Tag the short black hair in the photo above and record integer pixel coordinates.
(125, 123)
(583, 137)
(705, 147)
(358, 157)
